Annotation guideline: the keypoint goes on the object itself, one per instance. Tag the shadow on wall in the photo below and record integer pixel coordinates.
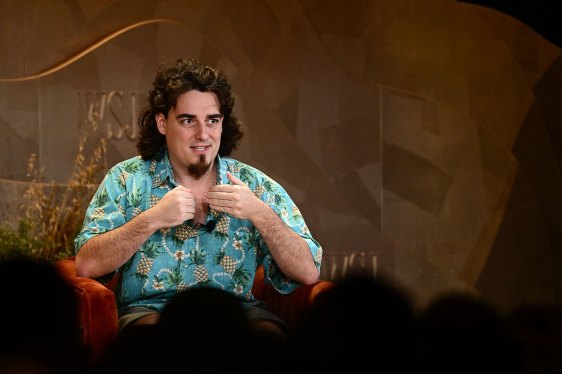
(516, 273)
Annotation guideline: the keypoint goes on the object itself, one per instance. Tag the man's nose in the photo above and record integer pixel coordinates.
(201, 131)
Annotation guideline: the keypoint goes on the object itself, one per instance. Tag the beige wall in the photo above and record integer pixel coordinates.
(395, 125)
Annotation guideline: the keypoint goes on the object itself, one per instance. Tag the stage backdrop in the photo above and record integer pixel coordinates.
(418, 137)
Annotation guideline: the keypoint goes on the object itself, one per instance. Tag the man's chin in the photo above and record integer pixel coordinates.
(199, 169)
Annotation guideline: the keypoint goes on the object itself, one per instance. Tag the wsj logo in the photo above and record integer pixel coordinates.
(339, 264)
(113, 114)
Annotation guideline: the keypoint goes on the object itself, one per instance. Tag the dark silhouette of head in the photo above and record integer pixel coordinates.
(461, 333)
(42, 313)
(360, 322)
(200, 329)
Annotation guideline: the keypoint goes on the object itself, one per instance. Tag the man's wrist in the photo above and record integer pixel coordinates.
(264, 215)
(146, 221)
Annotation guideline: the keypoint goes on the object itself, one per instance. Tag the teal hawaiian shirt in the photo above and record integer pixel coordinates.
(224, 253)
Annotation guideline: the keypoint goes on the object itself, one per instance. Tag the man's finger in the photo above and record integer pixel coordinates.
(234, 180)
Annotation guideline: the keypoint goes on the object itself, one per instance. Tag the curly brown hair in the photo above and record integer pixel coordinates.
(174, 79)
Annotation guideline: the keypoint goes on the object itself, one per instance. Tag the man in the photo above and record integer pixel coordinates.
(183, 214)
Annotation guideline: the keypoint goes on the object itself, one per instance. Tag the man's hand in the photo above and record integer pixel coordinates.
(175, 207)
(290, 251)
(235, 199)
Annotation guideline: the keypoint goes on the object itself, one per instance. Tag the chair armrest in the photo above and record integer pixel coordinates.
(290, 307)
(97, 306)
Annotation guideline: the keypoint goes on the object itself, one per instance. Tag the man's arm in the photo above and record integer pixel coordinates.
(290, 251)
(106, 252)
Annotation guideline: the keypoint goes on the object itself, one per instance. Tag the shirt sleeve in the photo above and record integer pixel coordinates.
(280, 201)
(106, 210)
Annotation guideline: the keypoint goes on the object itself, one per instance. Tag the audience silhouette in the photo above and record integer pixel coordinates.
(200, 329)
(42, 332)
(361, 323)
(461, 333)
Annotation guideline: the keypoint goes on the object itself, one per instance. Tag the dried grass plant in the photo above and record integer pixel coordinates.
(52, 214)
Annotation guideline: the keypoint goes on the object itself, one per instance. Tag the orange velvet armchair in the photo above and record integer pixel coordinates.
(98, 309)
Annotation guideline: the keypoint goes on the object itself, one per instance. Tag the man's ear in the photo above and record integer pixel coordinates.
(161, 123)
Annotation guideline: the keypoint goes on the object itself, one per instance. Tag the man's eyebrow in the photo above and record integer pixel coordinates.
(192, 116)
(186, 115)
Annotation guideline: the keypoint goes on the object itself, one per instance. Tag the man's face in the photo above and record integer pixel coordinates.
(193, 132)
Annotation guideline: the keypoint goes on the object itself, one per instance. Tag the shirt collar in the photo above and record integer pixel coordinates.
(222, 169)
(163, 169)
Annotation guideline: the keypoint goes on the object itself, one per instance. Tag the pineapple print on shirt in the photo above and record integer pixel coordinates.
(148, 253)
(134, 199)
(197, 260)
(128, 169)
(100, 201)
